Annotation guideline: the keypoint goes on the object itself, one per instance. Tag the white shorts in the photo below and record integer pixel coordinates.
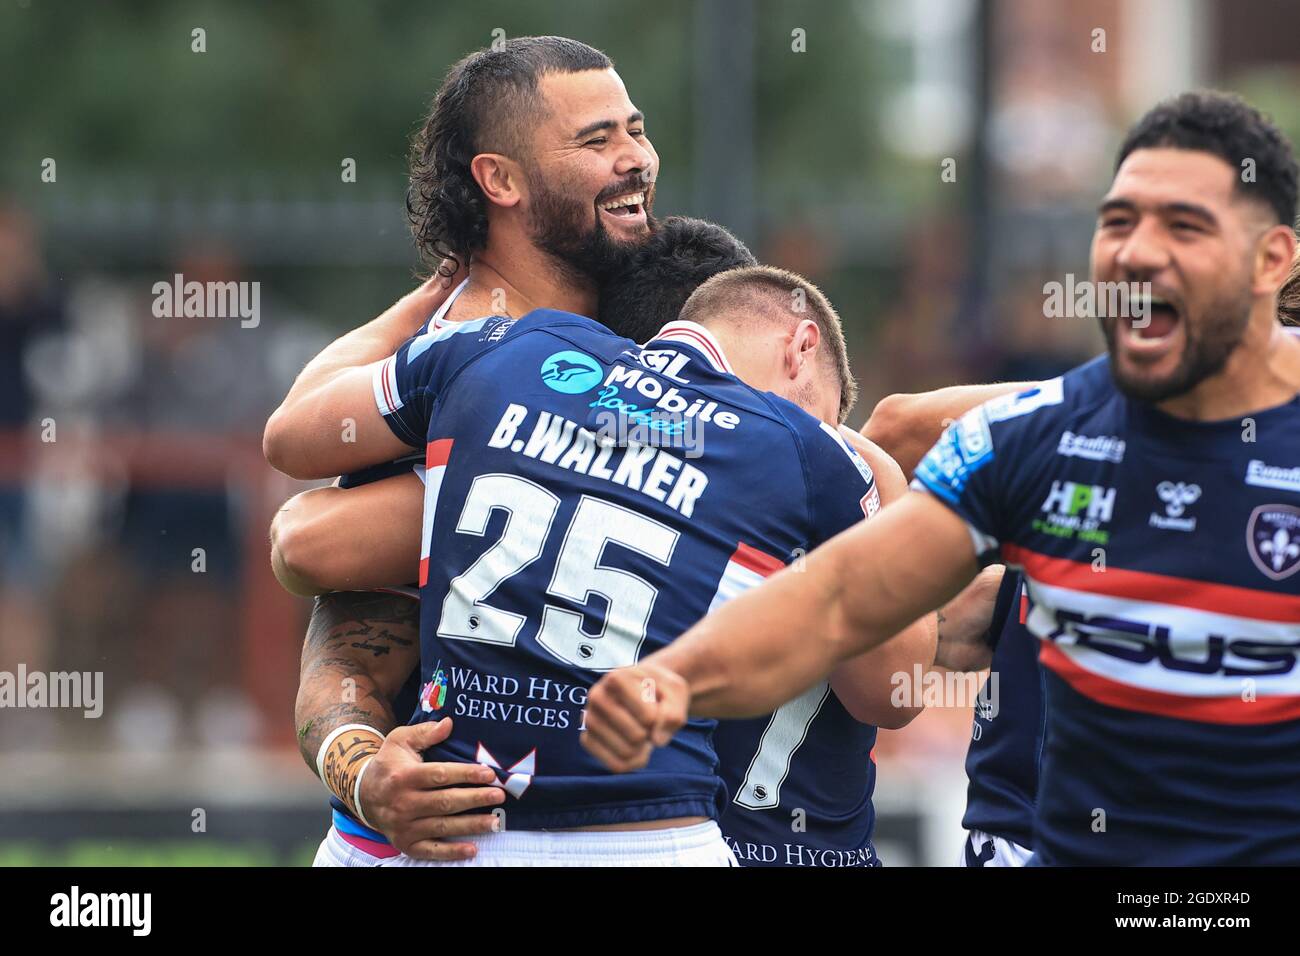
(336, 851)
(698, 845)
(982, 849)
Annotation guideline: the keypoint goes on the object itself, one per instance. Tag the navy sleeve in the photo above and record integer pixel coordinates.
(390, 469)
(842, 486)
(407, 383)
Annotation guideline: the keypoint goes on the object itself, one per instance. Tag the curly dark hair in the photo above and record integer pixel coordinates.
(1288, 297)
(650, 290)
(1228, 127)
(487, 103)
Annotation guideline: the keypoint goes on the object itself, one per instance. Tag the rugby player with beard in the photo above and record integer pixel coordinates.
(531, 178)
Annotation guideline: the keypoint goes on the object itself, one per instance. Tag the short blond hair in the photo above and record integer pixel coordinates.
(762, 291)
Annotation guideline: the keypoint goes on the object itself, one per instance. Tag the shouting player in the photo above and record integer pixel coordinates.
(1151, 500)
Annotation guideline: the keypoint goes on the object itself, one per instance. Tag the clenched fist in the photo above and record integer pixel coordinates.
(631, 711)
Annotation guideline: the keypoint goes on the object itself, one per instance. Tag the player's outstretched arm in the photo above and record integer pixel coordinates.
(315, 537)
(360, 649)
(908, 425)
(772, 643)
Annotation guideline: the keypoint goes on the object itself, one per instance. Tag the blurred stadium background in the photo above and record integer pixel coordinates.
(930, 164)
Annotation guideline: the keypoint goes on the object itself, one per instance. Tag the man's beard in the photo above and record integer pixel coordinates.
(560, 226)
(1207, 346)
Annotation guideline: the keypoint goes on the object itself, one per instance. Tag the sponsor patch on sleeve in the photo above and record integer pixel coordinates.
(1046, 393)
(964, 448)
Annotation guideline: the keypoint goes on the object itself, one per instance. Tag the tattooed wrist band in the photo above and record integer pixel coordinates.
(342, 762)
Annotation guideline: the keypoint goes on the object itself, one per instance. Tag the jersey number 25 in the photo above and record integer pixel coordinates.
(577, 576)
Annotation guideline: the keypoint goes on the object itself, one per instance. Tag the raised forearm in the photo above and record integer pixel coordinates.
(360, 648)
(907, 426)
(333, 429)
(327, 423)
(738, 660)
(377, 339)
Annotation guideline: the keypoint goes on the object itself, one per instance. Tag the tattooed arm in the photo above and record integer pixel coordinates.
(360, 649)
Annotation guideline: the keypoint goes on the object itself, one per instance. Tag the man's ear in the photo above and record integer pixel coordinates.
(1275, 254)
(499, 177)
(801, 349)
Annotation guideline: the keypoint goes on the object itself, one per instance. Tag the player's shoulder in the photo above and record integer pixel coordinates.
(542, 328)
(570, 339)
(1015, 428)
(820, 444)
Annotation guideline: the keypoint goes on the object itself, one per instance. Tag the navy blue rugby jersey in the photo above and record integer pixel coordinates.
(586, 498)
(1161, 559)
(800, 780)
(1006, 744)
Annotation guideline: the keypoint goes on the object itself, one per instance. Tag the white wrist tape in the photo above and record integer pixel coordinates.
(334, 735)
(356, 794)
(356, 789)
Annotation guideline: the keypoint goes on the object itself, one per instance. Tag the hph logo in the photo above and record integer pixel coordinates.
(1070, 499)
(571, 372)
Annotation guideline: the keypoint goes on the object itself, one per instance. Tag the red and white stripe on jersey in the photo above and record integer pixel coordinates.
(746, 568)
(384, 382)
(435, 467)
(701, 338)
(1191, 613)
